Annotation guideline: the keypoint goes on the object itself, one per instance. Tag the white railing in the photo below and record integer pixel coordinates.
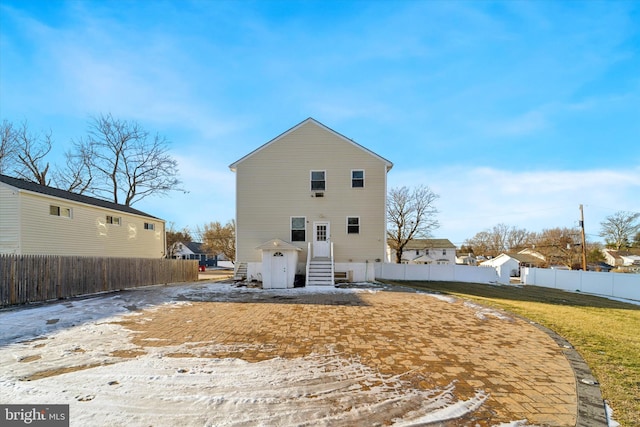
(333, 279)
(306, 280)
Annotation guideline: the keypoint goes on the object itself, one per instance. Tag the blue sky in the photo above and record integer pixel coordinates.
(514, 112)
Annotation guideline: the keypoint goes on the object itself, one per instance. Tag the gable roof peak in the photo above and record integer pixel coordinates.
(233, 166)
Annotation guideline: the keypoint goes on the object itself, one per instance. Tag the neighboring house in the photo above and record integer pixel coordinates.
(532, 252)
(612, 257)
(193, 250)
(620, 258)
(630, 259)
(467, 259)
(509, 264)
(41, 220)
(313, 196)
(427, 251)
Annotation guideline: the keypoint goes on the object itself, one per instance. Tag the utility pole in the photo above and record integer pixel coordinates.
(584, 242)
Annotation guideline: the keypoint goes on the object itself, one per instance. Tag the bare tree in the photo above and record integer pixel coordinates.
(8, 146)
(219, 239)
(560, 246)
(501, 238)
(620, 228)
(411, 214)
(518, 238)
(77, 174)
(126, 163)
(23, 152)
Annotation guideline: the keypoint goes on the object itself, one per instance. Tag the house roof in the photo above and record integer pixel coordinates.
(235, 164)
(527, 258)
(33, 187)
(430, 244)
(194, 247)
(504, 257)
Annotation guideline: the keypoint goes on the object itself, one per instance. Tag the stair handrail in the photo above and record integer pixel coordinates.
(333, 280)
(306, 279)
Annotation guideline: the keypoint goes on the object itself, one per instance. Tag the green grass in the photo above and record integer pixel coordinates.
(606, 333)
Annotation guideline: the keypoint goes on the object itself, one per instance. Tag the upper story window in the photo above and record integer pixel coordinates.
(318, 180)
(298, 228)
(357, 179)
(444, 252)
(115, 220)
(59, 211)
(149, 226)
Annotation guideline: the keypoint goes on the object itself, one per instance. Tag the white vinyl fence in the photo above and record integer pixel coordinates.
(618, 285)
(430, 272)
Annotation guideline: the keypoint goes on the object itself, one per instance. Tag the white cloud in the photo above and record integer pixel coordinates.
(472, 200)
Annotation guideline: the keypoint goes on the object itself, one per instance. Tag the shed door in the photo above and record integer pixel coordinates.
(321, 238)
(278, 270)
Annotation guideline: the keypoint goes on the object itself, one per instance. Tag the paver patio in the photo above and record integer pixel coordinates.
(430, 341)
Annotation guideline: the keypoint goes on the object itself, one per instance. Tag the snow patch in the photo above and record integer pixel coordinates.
(482, 312)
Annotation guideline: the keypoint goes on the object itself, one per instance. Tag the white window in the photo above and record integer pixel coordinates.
(353, 225)
(298, 228)
(149, 226)
(59, 211)
(318, 180)
(115, 220)
(357, 179)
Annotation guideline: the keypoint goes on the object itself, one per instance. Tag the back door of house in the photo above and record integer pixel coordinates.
(321, 239)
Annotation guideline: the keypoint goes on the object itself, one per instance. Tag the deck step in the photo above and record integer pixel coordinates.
(320, 272)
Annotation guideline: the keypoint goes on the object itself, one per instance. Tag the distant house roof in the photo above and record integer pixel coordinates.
(194, 247)
(67, 195)
(526, 258)
(234, 165)
(521, 258)
(430, 244)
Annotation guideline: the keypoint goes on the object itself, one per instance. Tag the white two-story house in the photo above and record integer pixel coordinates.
(312, 203)
(427, 251)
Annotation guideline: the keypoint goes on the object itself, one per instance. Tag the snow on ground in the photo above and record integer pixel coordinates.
(70, 347)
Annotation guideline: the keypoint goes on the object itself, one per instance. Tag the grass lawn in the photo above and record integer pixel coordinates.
(605, 332)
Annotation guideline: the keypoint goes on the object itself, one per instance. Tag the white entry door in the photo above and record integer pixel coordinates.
(321, 238)
(278, 270)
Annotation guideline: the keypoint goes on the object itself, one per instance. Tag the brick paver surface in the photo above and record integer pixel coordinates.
(433, 342)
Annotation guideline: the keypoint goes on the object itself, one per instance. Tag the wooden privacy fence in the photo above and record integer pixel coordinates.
(31, 278)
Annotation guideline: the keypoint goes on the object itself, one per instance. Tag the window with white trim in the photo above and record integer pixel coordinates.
(318, 180)
(353, 225)
(149, 226)
(59, 211)
(357, 178)
(115, 220)
(298, 228)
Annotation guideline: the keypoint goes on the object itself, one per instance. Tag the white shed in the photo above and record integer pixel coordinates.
(279, 262)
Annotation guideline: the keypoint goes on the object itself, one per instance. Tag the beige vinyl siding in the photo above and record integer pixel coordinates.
(86, 232)
(273, 184)
(9, 220)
